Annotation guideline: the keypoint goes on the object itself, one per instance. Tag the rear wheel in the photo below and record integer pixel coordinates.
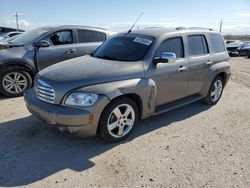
(118, 120)
(215, 91)
(14, 82)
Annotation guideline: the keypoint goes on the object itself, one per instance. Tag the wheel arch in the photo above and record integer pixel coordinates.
(132, 96)
(135, 98)
(223, 75)
(18, 65)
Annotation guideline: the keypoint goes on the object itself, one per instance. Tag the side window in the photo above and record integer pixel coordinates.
(87, 36)
(197, 45)
(102, 36)
(60, 38)
(217, 43)
(173, 45)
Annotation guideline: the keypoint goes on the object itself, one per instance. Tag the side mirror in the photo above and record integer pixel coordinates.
(166, 57)
(42, 44)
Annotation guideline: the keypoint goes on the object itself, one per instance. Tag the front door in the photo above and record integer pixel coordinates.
(62, 48)
(171, 78)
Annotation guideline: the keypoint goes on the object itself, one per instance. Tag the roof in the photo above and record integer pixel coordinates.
(158, 31)
(72, 26)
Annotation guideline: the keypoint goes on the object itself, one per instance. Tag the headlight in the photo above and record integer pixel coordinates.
(81, 99)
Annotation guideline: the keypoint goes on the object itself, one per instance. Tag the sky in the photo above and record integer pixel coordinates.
(119, 15)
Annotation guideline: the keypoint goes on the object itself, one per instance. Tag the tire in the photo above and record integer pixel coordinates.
(14, 82)
(215, 93)
(113, 120)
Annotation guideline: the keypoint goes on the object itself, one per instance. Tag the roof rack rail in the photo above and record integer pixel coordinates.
(154, 27)
(193, 28)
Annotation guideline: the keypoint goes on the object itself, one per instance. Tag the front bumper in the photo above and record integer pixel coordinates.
(233, 53)
(83, 122)
(244, 52)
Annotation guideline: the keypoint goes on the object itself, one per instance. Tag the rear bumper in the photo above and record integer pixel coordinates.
(75, 120)
(228, 75)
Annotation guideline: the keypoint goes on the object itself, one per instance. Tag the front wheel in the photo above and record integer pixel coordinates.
(215, 91)
(14, 82)
(118, 120)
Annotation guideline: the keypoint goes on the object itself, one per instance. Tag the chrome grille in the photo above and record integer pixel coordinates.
(44, 92)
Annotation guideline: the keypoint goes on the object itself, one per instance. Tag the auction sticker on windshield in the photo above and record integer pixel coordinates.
(143, 41)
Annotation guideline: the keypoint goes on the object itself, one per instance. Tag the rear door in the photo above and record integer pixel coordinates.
(199, 62)
(89, 41)
(171, 78)
(62, 47)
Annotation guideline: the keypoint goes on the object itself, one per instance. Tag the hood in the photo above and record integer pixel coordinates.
(234, 44)
(246, 48)
(87, 70)
(5, 44)
(15, 53)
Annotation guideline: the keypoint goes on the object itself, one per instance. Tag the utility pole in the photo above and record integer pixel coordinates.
(17, 25)
(221, 25)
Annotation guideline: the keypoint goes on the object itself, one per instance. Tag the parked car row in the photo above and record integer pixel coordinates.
(22, 57)
(9, 35)
(238, 48)
(131, 76)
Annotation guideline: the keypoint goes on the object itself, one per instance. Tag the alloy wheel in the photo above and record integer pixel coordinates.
(14, 82)
(216, 90)
(121, 120)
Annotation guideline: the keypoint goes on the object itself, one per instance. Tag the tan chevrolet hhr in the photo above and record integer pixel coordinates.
(131, 76)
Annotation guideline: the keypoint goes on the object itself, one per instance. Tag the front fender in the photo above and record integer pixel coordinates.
(145, 89)
(18, 62)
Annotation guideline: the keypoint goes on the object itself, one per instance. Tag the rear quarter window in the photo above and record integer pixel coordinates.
(217, 43)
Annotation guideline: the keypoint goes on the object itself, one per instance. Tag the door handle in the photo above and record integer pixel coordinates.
(72, 50)
(209, 62)
(182, 69)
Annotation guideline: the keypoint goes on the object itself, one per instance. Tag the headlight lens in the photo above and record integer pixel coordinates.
(81, 99)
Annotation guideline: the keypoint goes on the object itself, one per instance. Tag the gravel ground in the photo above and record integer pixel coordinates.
(194, 146)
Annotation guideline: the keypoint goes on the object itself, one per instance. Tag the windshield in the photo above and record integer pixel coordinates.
(4, 35)
(124, 48)
(28, 36)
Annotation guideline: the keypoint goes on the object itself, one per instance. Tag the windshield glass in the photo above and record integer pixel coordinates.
(124, 48)
(4, 35)
(28, 36)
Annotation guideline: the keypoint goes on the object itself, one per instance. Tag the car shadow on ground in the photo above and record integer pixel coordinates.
(30, 151)
(2, 97)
